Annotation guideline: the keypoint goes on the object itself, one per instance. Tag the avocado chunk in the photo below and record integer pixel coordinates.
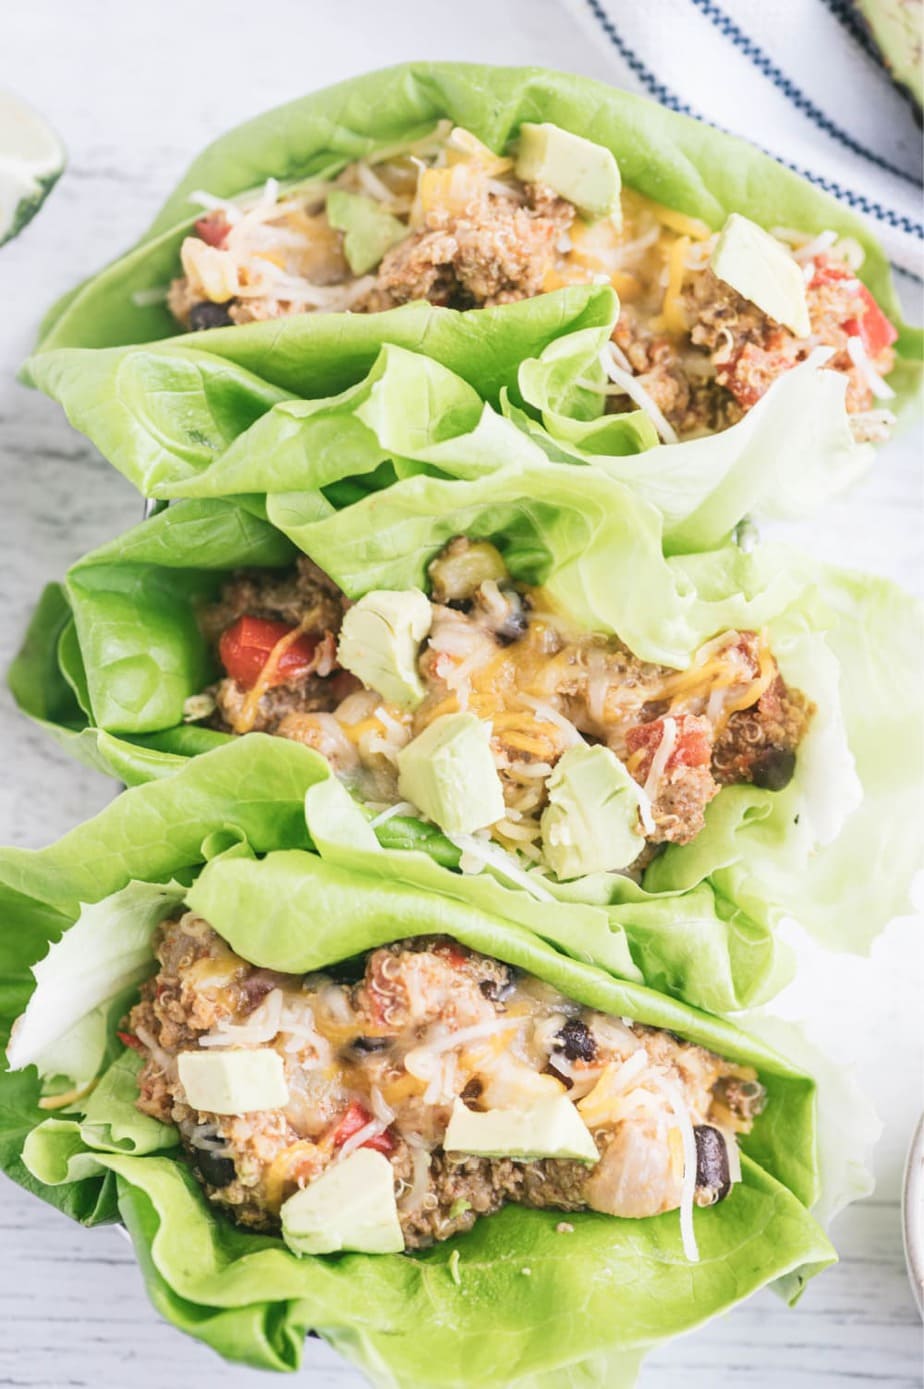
(896, 29)
(590, 824)
(233, 1082)
(369, 231)
(761, 269)
(549, 1129)
(379, 641)
(448, 771)
(350, 1206)
(574, 168)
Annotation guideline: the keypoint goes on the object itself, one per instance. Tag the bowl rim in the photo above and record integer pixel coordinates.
(913, 1214)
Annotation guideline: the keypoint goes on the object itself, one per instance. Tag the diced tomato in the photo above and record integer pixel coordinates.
(752, 371)
(828, 271)
(128, 1039)
(692, 742)
(245, 648)
(872, 327)
(453, 953)
(212, 229)
(356, 1117)
(876, 331)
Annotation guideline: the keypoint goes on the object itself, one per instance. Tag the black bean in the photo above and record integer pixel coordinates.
(215, 1169)
(369, 1044)
(208, 315)
(498, 990)
(514, 625)
(773, 771)
(712, 1174)
(576, 1040)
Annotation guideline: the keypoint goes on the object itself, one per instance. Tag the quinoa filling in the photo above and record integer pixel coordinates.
(496, 650)
(466, 232)
(377, 1053)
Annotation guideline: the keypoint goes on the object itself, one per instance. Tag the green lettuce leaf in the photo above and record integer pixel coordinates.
(106, 950)
(515, 1276)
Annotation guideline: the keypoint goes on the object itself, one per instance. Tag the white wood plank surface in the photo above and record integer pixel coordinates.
(135, 91)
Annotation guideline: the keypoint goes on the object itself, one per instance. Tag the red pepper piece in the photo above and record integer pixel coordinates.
(245, 648)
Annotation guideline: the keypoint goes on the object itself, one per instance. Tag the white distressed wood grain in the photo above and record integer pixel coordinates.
(135, 91)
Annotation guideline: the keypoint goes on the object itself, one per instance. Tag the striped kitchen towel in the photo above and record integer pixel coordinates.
(800, 78)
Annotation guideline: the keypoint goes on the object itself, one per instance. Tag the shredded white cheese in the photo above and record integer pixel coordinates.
(144, 298)
(261, 1026)
(380, 1109)
(370, 1130)
(630, 385)
(549, 715)
(399, 808)
(860, 358)
(681, 1112)
(478, 855)
(660, 759)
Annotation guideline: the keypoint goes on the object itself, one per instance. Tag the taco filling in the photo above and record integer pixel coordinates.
(482, 709)
(465, 1084)
(708, 321)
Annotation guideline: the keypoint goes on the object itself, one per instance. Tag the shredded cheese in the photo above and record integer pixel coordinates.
(370, 1130)
(630, 385)
(860, 358)
(690, 227)
(261, 1026)
(478, 855)
(672, 318)
(660, 759)
(399, 808)
(681, 1112)
(67, 1097)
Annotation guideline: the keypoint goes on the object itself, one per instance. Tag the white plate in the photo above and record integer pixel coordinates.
(913, 1214)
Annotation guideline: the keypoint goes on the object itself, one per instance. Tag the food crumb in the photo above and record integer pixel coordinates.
(453, 1267)
(564, 1227)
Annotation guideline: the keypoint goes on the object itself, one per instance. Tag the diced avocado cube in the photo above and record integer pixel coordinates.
(379, 642)
(350, 1206)
(549, 1129)
(233, 1082)
(574, 168)
(448, 771)
(761, 269)
(590, 824)
(369, 231)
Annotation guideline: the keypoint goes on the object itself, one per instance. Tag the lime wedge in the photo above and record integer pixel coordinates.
(31, 162)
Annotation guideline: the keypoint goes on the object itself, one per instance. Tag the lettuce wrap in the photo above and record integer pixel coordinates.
(95, 899)
(693, 175)
(112, 659)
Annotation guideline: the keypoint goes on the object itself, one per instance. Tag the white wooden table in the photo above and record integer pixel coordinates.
(135, 91)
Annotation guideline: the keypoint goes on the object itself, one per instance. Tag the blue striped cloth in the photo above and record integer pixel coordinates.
(799, 78)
